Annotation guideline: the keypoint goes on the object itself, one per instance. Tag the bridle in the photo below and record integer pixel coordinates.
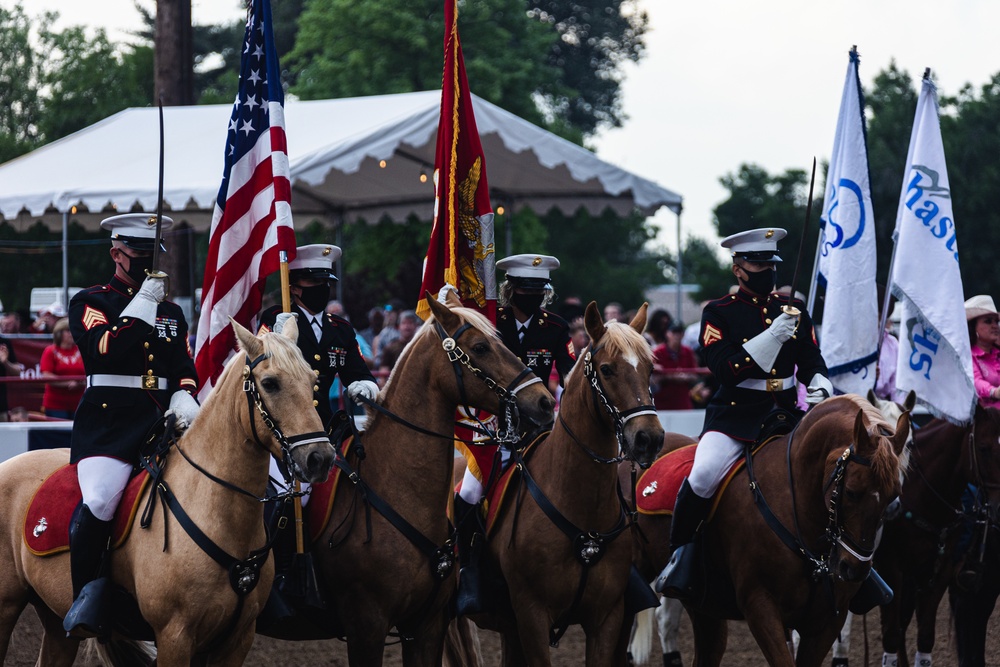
(601, 401)
(835, 532)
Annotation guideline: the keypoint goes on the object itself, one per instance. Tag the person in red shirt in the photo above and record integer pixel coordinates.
(671, 389)
(61, 358)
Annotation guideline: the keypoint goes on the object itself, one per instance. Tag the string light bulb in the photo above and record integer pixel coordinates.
(381, 164)
(423, 176)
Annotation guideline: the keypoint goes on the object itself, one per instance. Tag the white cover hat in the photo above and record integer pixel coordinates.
(316, 260)
(529, 271)
(756, 245)
(979, 305)
(136, 230)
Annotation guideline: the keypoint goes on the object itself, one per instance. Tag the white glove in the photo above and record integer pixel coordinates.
(184, 407)
(765, 346)
(818, 389)
(279, 321)
(150, 294)
(364, 388)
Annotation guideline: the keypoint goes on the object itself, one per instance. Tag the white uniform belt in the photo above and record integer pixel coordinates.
(770, 384)
(127, 381)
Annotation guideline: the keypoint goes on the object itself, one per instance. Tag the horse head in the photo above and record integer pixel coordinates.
(985, 454)
(472, 367)
(617, 365)
(863, 481)
(278, 384)
(892, 410)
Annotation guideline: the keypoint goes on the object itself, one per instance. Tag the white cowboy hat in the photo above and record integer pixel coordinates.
(979, 305)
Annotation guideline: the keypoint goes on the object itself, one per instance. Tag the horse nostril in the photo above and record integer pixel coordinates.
(317, 461)
(546, 404)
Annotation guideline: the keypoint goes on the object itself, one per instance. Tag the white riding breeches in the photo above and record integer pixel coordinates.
(472, 488)
(716, 454)
(279, 481)
(102, 482)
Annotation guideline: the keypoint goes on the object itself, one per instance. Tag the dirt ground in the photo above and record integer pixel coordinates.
(741, 649)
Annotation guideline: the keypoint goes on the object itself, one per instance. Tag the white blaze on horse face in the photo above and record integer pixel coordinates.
(631, 358)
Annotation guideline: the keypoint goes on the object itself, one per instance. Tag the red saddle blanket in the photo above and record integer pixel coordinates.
(46, 522)
(317, 511)
(495, 496)
(656, 490)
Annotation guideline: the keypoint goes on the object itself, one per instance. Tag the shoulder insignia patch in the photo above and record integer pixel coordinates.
(710, 335)
(93, 317)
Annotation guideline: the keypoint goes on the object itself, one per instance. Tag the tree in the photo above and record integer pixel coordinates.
(21, 106)
(595, 39)
(703, 268)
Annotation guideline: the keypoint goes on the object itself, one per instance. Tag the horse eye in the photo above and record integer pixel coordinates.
(853, 496)
(270, 385)
(480, 348)
(607, 370)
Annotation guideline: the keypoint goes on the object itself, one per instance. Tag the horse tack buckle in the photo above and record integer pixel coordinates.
(150, 381)
(775, 384)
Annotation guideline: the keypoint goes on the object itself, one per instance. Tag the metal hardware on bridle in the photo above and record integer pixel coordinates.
(507, 396)
(288, 445)
(835, 532)
(618, 417)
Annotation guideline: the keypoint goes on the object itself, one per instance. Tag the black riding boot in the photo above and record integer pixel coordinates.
(470, 546)
(88, 544)
(874, 592)
(690, 512)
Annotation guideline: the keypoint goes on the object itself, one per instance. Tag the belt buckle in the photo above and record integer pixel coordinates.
(150, 382)
(774, 384)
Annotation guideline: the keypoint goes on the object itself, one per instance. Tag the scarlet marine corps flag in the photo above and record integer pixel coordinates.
(252, 221)
(460, 253)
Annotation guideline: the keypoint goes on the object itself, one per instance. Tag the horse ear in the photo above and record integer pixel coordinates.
(910, 401)
(248, 342)
(452, 299)
(860, 432)
(872, 398)
(594, 322)
(290, 329)
(902, 431)
(442, 313)
(639, 321)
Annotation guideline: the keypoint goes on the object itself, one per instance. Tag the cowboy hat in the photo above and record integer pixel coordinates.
(979, 305)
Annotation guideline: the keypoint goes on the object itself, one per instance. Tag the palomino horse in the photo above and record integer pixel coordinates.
(386, 553)
(557, 551)
(198, 608)
(917, 554)
(823, 488)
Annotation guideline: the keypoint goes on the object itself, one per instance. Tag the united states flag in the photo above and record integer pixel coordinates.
(252, 221)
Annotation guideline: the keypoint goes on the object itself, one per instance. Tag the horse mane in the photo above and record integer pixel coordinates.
(624, 340)
(885, 463)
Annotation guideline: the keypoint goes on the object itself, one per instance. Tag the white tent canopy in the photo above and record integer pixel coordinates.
(335, 148)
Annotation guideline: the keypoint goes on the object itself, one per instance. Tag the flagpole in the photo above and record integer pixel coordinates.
(810, 305)
(286, 307)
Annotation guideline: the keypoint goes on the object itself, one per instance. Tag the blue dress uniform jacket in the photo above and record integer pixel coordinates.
(546, 342)
(111, 420)
(336, 352)
(726, 324)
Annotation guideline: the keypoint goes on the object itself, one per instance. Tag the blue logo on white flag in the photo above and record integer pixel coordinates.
(852, 223)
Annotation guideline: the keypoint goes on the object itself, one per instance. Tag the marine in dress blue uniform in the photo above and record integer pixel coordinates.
(138, 363)
(336, 349)
(752, 348)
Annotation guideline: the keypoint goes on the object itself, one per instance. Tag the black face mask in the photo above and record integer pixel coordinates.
(137, 267)
(761, 282)
(527, 303)
(315, 298)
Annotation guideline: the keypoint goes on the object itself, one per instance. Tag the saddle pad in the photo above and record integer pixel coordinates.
(656, 489)
(46, 522)
(317, 511)
(496, 494)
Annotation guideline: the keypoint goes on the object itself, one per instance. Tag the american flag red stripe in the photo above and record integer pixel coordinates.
(252, 222)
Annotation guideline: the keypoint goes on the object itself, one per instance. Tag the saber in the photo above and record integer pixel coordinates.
(154, 270)
(789, 309)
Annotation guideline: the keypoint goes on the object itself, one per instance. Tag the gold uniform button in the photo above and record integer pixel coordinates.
(316, 372)
(104, 405)
(124, 319)
(774, 371)
(745, 340)
(732, 403)
(736, 365)
(114, 328)
(755, 299)
(315, 403)
(767, 320)
(150, 357)
(315, 387)
(149, 372)
(747, 359)
(168, 339)
(146, 345)
(316, 357)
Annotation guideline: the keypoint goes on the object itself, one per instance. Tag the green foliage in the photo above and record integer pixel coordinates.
(18, 84)
(702, 267)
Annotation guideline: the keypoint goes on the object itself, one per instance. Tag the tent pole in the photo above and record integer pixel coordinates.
(680, 270)
(508, 222)
(65, 259)
(340, 260)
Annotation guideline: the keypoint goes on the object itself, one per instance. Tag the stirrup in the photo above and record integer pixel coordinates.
(89, 617)
(678, 578)
(874, 592)
(469, 598)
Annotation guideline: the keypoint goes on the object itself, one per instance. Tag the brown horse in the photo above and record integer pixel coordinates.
(917, 555)
(187, 598)
(557, 549)
(843, 460)
(377, 576)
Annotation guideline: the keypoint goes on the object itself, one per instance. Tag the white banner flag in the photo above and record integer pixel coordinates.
(847, 251)
(935, 358)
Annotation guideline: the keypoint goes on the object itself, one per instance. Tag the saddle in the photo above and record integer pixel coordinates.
(46, 522)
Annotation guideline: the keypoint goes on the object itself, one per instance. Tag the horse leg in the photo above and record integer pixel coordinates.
(511, 651)
(56, 649)
(813, 649)
(427, 647)
(710, 635)
(842, 644)
(10, 611)
(971, 611)
(926, 626)
(768, 629)
(236, 653)
(606, 643)
(533, 631)
(668, 618)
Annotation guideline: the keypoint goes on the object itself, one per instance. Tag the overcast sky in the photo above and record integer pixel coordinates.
(731, 81)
